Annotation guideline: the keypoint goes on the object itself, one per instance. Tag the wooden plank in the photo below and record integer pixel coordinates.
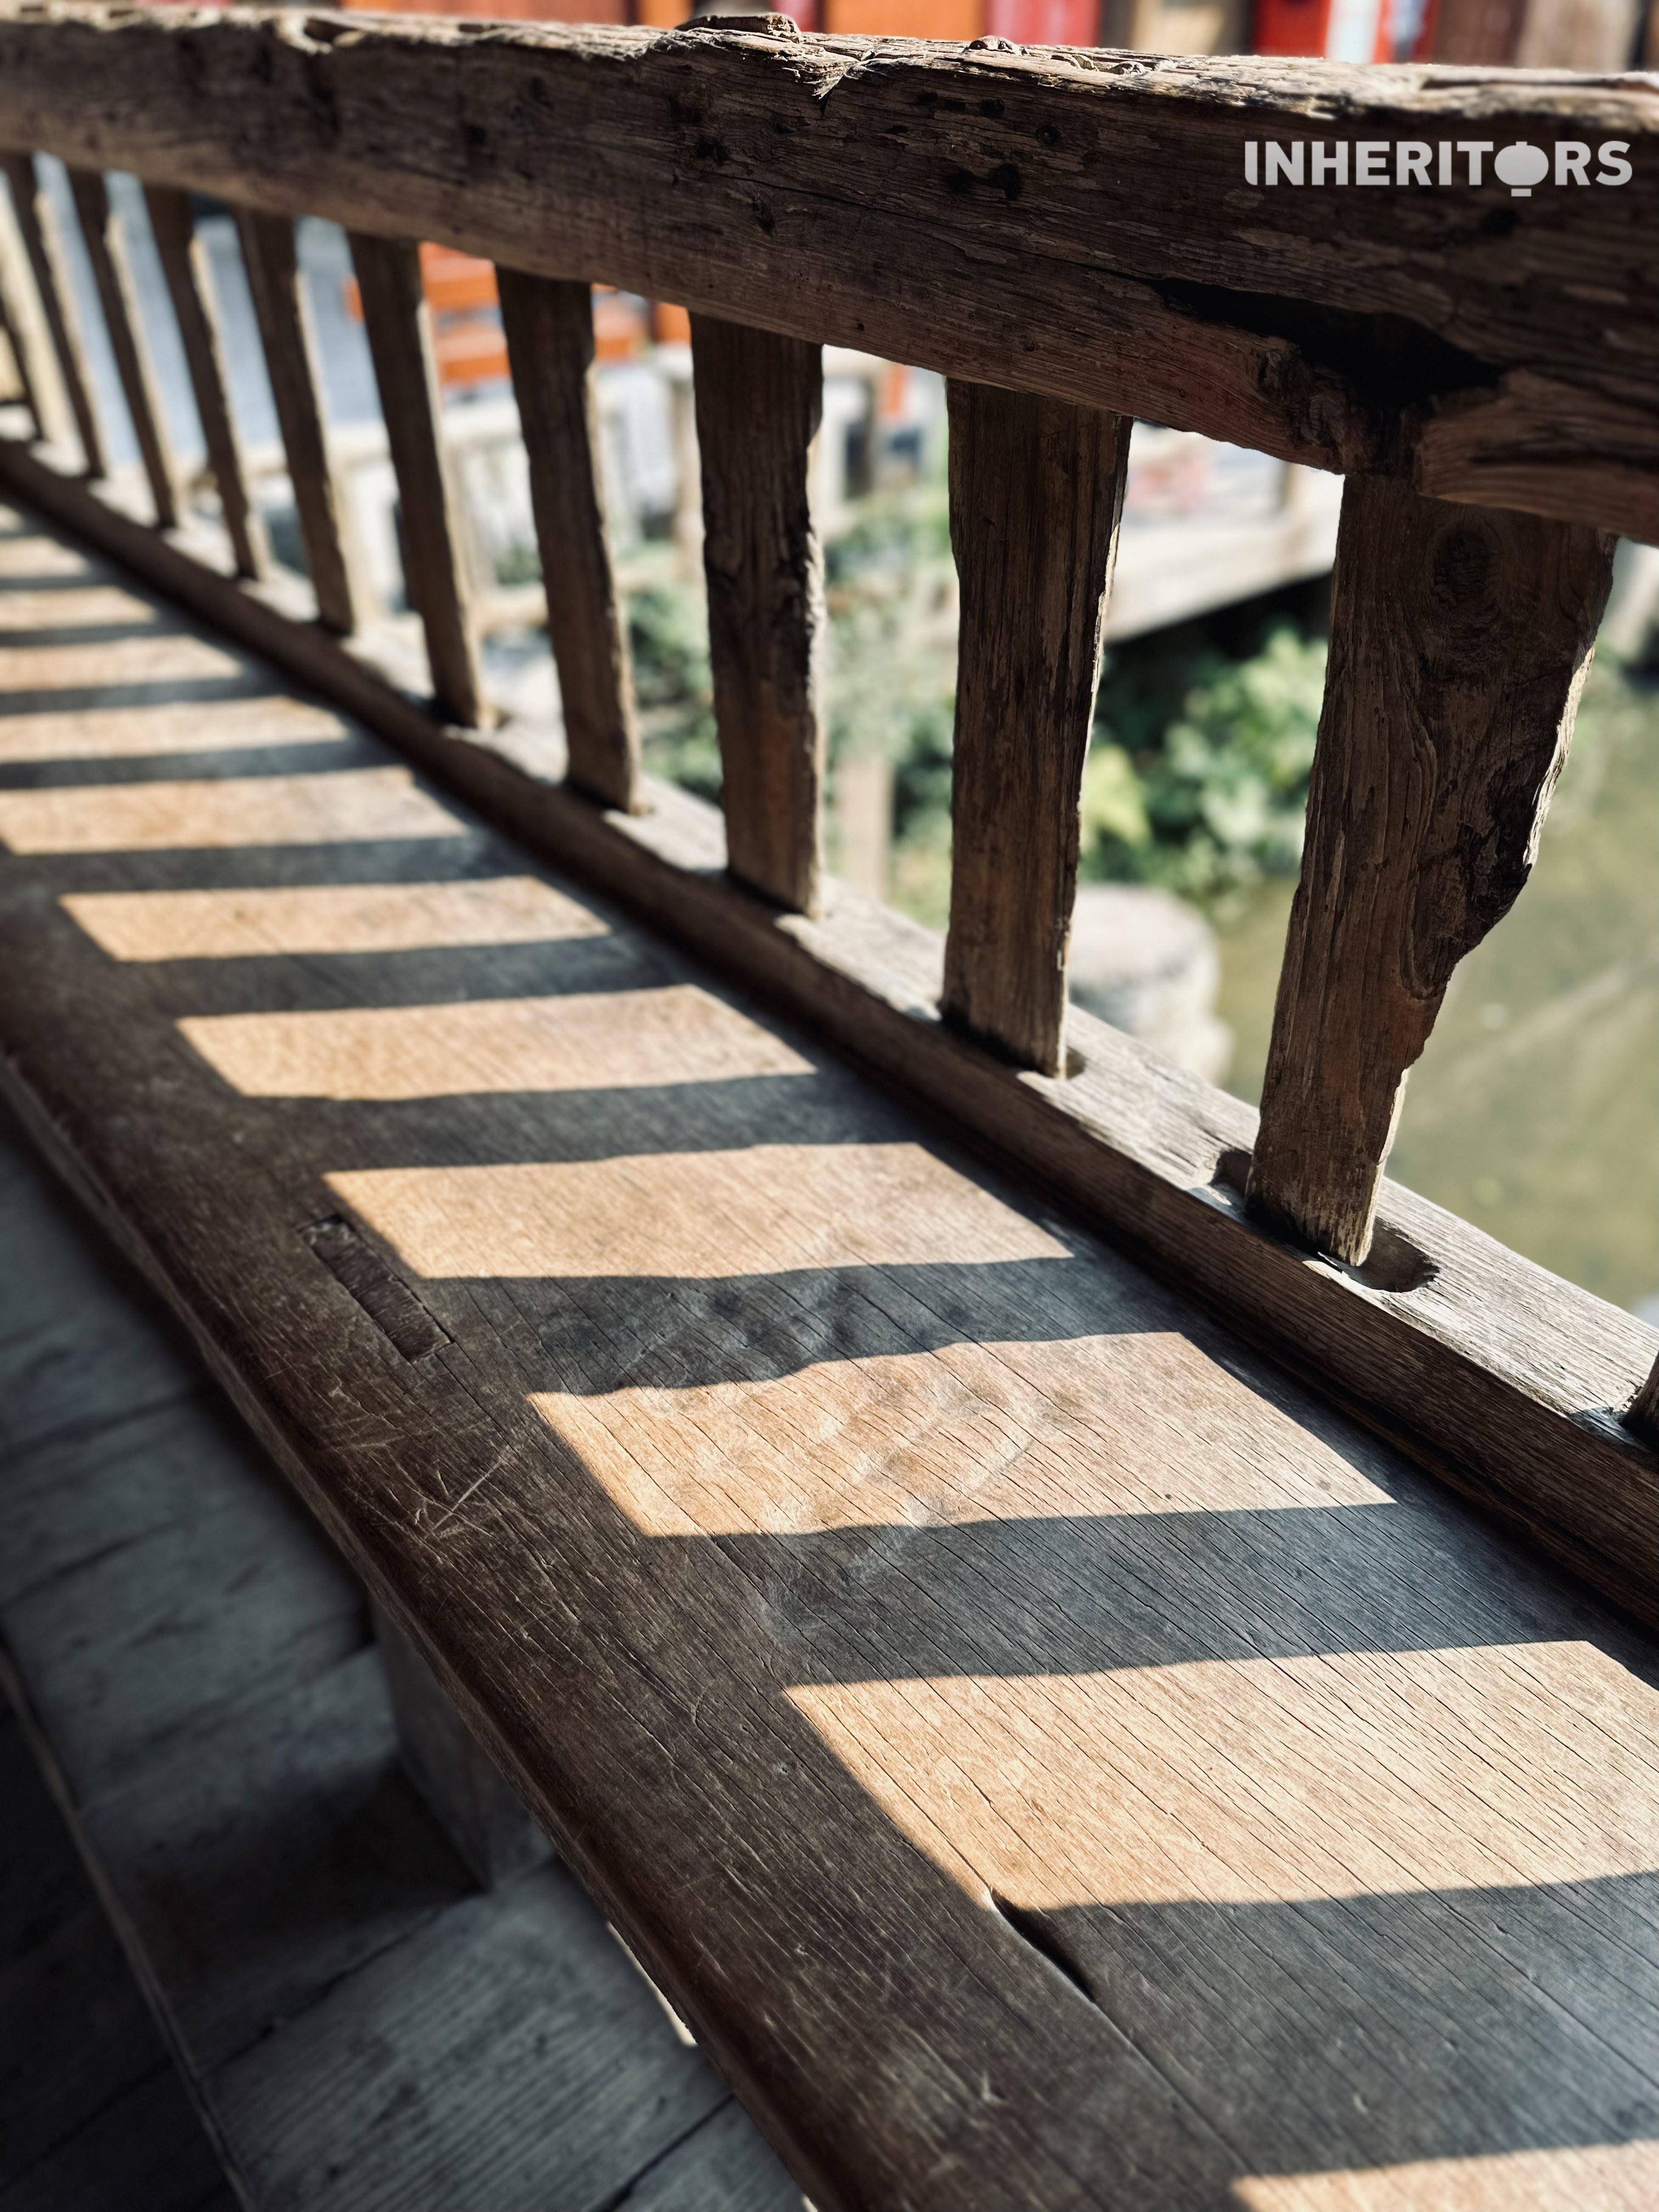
(1460, 638)
(106, 251)
(146, 2148)
(273, 276)
(185, 267)
(1502, 1378)
(758, 401)
(549, 343)
(1037, 491)
(722, 2167)
(400, 341)
(1097, 204)
(57, 303)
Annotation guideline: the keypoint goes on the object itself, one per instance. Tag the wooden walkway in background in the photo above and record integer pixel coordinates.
(365, 2031)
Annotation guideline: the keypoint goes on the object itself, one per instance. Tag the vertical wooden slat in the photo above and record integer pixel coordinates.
(1037, 490)
(11, 329)
(549, 345)
(273, 276)
(57, 303)
(107, 250)
(758, 400)
(400, 341)
(183, 266)
(1460, 641)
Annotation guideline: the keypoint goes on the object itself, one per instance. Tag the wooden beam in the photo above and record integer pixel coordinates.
(549, 343)
(758, 401)
(273, 276)
(56, 304)
(1037, 490)
(1642, 1417)
(106, 251)
(1076, 224)
(184, 266)
(400, 341)
(1460, 641)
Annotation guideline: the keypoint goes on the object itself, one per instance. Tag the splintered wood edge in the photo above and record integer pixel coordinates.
(1508, 1383)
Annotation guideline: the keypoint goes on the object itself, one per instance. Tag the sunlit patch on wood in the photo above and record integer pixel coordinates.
(1265, 1781)
(168, 657)
(588, 1041)
(1608, 2177)
(1140, 1422)
(168, 727)
(766, 1209)
(225, 925)
(356, 805)
(88, 607)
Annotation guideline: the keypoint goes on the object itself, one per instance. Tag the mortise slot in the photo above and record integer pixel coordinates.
(1033, 1928)
(384, 1296)
(1393, 1263)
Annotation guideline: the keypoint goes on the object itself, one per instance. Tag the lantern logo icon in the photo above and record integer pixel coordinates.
(1521, 166)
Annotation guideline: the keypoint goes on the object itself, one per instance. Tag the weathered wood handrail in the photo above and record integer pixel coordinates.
(1175, 277)
(1076, 240)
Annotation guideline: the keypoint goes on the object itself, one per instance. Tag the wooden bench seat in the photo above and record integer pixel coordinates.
(1048, 1758)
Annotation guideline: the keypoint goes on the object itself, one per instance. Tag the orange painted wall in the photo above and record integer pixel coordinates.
(906, 19)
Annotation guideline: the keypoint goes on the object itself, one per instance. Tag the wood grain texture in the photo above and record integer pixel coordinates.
(758, 402)
(1460, 638)
(951, 1658)
(106, 251)
(273, 1878)
(184, 268)
(57, 303)
(550, 342)
(1502, 1379)
(1117, 259)
(1037, 490)
(273, 277)
(400, 341)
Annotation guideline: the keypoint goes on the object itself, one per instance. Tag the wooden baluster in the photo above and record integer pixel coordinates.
(758, 400)
(1642, 1416)
(106, 251)
(273, 276)
(400, 341)
(1460, 641)
(183, 264)
(57, 303)
(11, 329)
(549, 343)
(1037, 490)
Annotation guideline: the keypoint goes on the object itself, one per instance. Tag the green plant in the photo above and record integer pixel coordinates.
(1207, 799)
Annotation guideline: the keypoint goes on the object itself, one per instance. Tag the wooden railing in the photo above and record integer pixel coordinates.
(1075, 239)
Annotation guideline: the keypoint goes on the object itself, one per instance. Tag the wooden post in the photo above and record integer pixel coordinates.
(1037, 490)
(56, 304)
(12, 330)
(758, 399)
(549, 345)
(473, 1803)
(106, 251)
(400, 341)
(273, 276)
(1460, 641)
(183, 266)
